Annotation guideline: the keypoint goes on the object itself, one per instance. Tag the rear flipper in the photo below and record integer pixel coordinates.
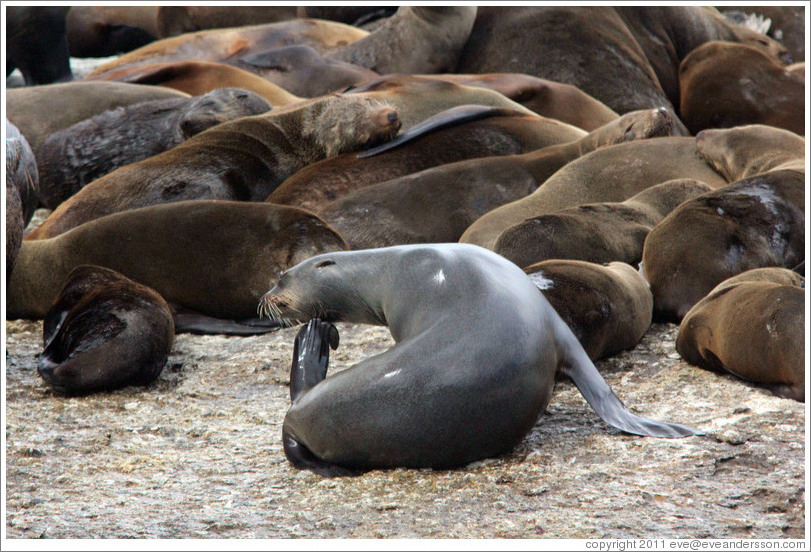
(302, 458)
(577, 366)
(311, 355)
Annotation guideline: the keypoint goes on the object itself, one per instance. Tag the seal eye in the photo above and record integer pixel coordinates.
(325, 263)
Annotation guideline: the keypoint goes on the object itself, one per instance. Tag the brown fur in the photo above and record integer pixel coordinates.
(102, 31)
(753, 328)
(725, 85)
(608, 307)
(176, 20)
(243, 159)
(597, 232)
(613, 173)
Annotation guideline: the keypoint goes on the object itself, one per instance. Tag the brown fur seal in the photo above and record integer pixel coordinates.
(465, 390)
(608, 307)
(69, 103)
(613, 173)
(416, 39)
(749, 150)
(753, 328)
(37, 44)
(547, 98)
(437, 204)
(22, 172)
(627, 57)
(724, 85)
(102, 31)
(199, 77)
(302, 70)
(488, 132)
(176, 20)
(243, 159)
(104, 332)
(596, 232)
(227, 44)
(75, 156)
(756, 222)
(172, 249)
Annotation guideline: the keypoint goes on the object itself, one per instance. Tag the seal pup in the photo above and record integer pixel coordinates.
(103, 332)
(596, 232)
(75, 156)
(465, 390)
(749, 150)
(173, 249)
(69, 103)
(244, 159)
(613, 173)
(463, 132)
(751, 325)
(608, 307)
(200, 77)
(756, 222)
(437, 204)
(724, 84)
(416, 39)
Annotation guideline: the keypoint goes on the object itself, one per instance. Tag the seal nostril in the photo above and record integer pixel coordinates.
(393, 117)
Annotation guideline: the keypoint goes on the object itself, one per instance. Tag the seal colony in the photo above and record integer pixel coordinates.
(438, 398)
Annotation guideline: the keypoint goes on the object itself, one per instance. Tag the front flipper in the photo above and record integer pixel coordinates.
(311, 355)
(577, 366)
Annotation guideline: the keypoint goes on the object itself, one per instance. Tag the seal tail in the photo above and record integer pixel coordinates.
(578, 367)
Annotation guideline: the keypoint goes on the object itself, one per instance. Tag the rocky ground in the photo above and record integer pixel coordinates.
(198, 454)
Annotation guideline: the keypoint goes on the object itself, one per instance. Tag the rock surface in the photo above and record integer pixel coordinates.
(198, 454)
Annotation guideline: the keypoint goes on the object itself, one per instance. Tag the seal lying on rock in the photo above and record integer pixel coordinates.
(751, 325)
(243, 159)
(438, 398)
(104, 331)
(73, 157)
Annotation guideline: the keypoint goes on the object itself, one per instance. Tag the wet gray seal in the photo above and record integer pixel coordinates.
(21, 171)
(752, 325)
(103, 332)
(438, 398)
(75, 156)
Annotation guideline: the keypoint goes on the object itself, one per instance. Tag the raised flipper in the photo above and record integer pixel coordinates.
(576, 364)
(444, 119)
(187, 321)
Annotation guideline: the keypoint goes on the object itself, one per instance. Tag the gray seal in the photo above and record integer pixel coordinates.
(440, 397)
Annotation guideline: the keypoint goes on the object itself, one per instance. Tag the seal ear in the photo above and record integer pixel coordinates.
(324, 263)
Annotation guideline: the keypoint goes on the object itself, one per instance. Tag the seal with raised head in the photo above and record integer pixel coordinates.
(244, 159)
(752, 325)
(608, 307)
(438, 398)
(436, 205)
(103, 332)
(724, 84)
(613, 173)
(595, 232)
(75, 156)
(212, 257)
(752, 223)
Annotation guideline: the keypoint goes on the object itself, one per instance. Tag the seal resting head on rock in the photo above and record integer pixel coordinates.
(438, 398)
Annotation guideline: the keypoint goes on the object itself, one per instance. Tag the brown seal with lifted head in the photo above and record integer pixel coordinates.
(439, 398)
(172, 249)
(103, 332)
(243, 159)
(755, 222)
(753, 326)
(462, 132)
(436, 205)
(612, 173)
(69, 103)
(595, 232)
(725, 85)
(75, 156)
(608, 307)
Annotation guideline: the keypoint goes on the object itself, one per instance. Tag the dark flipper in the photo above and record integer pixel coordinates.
(195, 323)
(444, 119)
(302, 458)
(311, 355)
(577, 366)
